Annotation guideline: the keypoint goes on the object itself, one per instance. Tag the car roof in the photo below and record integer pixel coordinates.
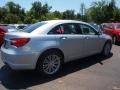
(63, 21)
(51, 23)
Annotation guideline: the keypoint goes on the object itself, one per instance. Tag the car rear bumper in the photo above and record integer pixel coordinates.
(19, 61)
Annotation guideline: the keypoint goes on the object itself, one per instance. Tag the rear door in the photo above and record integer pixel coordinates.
(69, 39)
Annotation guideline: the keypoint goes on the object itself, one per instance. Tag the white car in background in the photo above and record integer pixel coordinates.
(11, 28)
(16, 27)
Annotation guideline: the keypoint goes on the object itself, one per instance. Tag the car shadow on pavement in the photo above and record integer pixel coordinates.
(26, 79)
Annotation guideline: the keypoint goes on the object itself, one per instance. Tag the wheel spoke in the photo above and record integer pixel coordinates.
(53, 68)
(45, 66)
(51, 64)
(46, 61)
(49, 69)
(56, 62)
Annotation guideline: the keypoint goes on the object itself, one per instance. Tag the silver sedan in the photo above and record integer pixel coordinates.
(46, 45)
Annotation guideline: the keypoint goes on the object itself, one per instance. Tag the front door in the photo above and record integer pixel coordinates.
(92, 40)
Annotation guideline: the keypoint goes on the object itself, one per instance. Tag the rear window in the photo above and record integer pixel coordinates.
(32, 27)
(118, 26)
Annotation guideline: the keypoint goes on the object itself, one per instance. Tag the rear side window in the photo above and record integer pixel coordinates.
(56, 30)
(31, 28)
(66, 29)
(69, 29)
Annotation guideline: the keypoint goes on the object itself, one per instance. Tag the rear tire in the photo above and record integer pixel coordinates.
(49, 63)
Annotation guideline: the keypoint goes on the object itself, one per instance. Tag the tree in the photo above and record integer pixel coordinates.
(116, 15)
(3, 13)
(103, 11)
(68, 14)
(97, 11)
(11, 18)
(78, 16)
(57, 14)
(38, 10)
(15, 10)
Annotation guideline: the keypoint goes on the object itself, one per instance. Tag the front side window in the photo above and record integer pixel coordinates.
(65, 29)
(87, 30)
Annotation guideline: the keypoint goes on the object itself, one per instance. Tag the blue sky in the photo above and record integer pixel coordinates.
(60, 5)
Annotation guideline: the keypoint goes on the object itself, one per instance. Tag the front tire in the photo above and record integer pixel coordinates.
(49, 63)
(114, 39)
(107, 49)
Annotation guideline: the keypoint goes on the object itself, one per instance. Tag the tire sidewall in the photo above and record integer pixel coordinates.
(41, 60)
(104, 49)
(114, 40)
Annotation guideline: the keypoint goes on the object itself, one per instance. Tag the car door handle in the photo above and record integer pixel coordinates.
(63, 38)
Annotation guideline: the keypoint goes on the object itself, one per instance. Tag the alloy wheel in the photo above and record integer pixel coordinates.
(51, 64)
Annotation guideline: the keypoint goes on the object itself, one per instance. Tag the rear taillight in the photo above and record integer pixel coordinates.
(19, 42)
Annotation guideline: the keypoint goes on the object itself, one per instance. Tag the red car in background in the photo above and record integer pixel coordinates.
(112, 29)
(3, 30)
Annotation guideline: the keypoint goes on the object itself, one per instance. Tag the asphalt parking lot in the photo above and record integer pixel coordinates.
(91, 73)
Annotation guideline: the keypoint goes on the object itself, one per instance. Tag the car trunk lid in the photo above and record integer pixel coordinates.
(16, 39)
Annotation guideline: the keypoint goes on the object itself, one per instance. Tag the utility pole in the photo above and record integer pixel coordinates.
(82, 10)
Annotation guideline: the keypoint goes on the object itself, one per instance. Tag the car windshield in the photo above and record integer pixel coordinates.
(118, 26)
(32, 27)
(96, 26)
